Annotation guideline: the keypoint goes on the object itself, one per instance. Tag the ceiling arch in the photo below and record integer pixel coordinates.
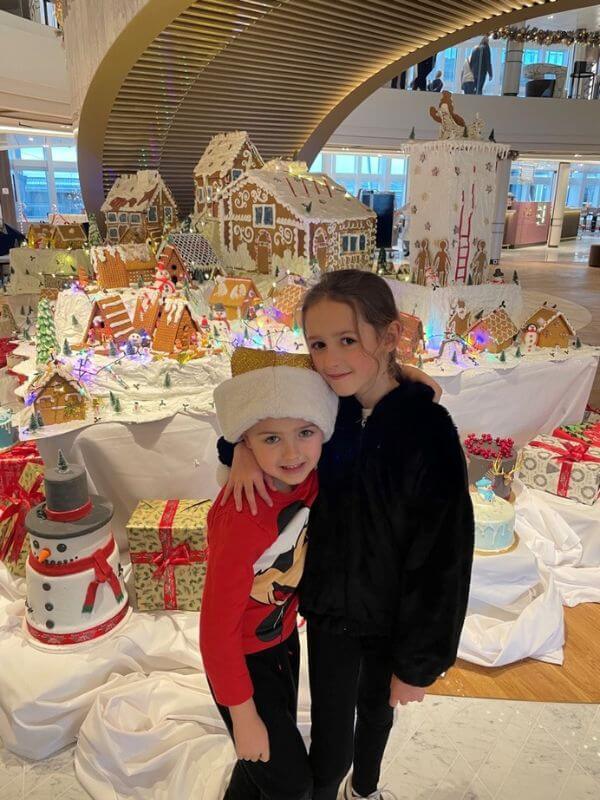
(288, 71)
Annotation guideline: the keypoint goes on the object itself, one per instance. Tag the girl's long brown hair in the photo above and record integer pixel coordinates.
(367, 294)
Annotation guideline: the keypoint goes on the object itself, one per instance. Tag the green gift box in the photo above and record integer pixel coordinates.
(168, 549)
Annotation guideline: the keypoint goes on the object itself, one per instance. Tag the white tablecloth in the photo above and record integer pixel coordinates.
(565, 537)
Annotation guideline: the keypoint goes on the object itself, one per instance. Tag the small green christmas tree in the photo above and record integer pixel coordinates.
(67, 348)
(454, 358)
(412, 134)
(167, 382)
(518, 352)
(140, 282)
(502, 357)
(22, 311)
(46, 333)
(578, 344)
(112, 348)
(382, 260)
(112, 398)
(40, 420)
(61, 463)
(74, 321)
(94, 236)
(33, 423)
(420, 362)
(117, 405)
(515, 277)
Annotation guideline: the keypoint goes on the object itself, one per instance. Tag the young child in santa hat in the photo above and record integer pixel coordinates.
(283, 411)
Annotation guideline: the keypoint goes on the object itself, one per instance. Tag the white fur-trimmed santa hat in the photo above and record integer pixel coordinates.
(266, 384)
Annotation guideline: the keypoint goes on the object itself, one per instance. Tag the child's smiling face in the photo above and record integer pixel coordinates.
(286, 449)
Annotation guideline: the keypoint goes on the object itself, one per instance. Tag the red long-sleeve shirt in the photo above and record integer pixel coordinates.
(249, 602)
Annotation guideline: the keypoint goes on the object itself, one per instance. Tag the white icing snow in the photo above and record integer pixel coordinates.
(133, 187)
(221, 152)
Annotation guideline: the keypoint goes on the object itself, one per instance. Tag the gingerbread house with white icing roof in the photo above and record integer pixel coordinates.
(553, 328)
(283, 216)
(493, 332)
(119, 266)
(146, 310)
(140, 201)
(175, 329)
(233, 297)
(226, 157)
(57, 396)
(108, 320)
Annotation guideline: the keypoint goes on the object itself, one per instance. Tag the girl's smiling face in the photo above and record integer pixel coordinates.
(347, 351)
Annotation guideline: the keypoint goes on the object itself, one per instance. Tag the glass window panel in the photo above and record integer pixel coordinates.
(530, 56)
(398, 166)
(317, 164)
(362, 242)
(64, 153)
(268, 215)
(369, 165)
(28, 153)
(345, 163)
(258, 210)
(32, 191)
(68, 192)
(152, 214)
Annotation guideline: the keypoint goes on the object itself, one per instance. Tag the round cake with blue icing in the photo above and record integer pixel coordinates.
(494, 520)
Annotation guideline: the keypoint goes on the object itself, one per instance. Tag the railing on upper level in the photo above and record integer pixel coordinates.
(46, 12)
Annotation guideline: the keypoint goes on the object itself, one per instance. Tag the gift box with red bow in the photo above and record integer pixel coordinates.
(168, 549)
(588, 432)
(562, 467)
(27, 492)
(13, 461)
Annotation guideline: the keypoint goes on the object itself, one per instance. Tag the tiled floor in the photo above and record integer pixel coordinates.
(443, 749)
(452, 748)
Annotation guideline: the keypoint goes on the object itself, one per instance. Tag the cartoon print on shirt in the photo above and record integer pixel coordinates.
(279, 569)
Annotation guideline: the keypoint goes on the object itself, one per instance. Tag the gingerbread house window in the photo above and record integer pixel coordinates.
(136, 219)
(264, 215)
(235, 174)
(208, 194)
(113, 233)
(111, 217)
(153, 214)
(168, 213)
(350, 243)
(201, 194)
(123, 217)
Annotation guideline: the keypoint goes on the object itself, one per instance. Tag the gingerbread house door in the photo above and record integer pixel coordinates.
(264, 252)
(320, 249)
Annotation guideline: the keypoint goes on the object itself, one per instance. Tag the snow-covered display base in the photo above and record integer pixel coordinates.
(30, 265)
(434, 306)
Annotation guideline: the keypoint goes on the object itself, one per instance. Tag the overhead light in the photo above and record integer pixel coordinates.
(577, 155)
(36, 131)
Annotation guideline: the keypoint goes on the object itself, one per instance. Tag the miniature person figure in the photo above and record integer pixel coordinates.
(422, 261)
(441, 263)
(485, 488)
(530, 338)
(479, 263)
(460, 319)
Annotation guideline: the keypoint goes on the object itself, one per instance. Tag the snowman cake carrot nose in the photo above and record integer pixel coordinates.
(43, 555)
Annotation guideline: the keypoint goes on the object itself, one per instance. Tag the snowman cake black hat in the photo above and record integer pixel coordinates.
(68, 510)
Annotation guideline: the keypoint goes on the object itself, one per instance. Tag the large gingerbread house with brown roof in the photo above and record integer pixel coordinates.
(57, 396)
(119, 266)
(227, 156)
(234, 297)
(282, 216)
(175, 329)
(493, 332)
(140, 201)
(553, 328)
(108, 320)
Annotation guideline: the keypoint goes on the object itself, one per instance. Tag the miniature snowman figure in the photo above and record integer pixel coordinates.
(530, 339)
(485, 489)
(135, 340)
(163, 282)
(75, 589)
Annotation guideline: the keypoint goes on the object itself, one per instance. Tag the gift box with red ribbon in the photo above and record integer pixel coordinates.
(588, 432)
(27, 492)
(6, 347)
(168, 549)
(562, 467)
(13, 461)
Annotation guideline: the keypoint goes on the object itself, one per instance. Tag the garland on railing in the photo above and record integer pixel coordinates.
(542, 36)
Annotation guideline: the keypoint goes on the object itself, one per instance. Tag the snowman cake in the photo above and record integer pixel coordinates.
(494, 520)
(75, 588)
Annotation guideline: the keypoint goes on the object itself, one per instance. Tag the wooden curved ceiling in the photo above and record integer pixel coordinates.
(288, 71)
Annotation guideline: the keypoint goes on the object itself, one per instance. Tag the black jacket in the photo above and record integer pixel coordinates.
(391, 532)
(481, 63)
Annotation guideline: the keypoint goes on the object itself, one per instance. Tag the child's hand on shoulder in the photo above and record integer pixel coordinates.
(403, 693)
(245, 478)
(250, 734)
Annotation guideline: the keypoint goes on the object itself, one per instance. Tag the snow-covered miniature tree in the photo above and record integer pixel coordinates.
(67, 348)
(46, 332)
(94, 236)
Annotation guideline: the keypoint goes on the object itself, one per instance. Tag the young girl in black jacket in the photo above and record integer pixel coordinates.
(390, 536)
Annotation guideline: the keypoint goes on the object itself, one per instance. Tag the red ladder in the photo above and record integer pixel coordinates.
(464, 240)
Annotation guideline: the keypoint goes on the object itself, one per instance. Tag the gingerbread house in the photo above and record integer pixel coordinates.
(285, 304)
(282, 215)
(553, 328)
(412, 338)
(68, 236)
(171, 261)
(57, 396)
(175, 328)
(8, 325)
(140, 201)
(118, 266)
(108, 320)
(52, 280)
(39, 235)
(494, 332)
(227, 156)
(195, 252)
(131, 235)
(146, 310)
(234, 297)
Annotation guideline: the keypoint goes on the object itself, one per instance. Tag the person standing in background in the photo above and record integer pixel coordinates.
(423, 69)
(467, 82)
(481, 64)
(437, 84)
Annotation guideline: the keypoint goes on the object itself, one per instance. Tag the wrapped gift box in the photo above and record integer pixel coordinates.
(562, 467)
(27, 492)
(588, 432)
(168, 549)
(13, 461)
